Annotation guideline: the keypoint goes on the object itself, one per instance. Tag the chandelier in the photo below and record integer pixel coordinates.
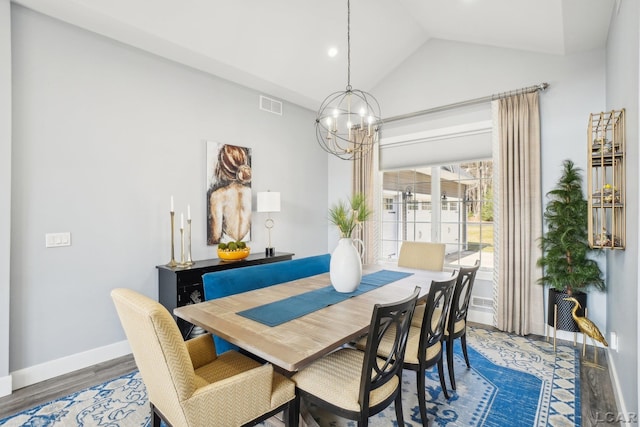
(348, 122)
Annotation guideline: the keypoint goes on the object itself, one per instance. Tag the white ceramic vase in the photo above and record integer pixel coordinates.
(345, 268)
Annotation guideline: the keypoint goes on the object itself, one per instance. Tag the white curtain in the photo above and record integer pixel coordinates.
(365, 181)
(519, 299)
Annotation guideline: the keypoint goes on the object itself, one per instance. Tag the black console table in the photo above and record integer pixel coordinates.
(178, 286)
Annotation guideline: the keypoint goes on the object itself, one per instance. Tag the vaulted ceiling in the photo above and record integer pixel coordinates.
(280, 47)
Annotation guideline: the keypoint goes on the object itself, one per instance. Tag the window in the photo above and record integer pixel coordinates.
(463, 219)
(387, 203)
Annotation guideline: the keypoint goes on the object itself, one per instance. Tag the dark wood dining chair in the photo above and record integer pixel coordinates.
(357, 384)
(457, 323)
(424, 342)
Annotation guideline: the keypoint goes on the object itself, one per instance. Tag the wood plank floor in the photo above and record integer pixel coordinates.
(596, 390)
(597, 398)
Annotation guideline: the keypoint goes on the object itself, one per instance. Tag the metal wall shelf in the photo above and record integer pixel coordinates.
(606, 180)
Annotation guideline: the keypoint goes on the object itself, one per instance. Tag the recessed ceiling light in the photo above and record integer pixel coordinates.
(332, 52)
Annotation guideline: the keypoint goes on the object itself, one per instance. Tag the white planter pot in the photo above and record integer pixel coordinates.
(345, 268)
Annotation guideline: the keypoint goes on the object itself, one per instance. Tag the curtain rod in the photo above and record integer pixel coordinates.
(540, 87)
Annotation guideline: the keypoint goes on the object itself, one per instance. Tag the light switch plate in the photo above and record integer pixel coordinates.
(56, 240)
(613, 337)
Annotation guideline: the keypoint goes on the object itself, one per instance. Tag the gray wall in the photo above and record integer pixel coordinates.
(103, 135)
(622, 92)
(5, 190)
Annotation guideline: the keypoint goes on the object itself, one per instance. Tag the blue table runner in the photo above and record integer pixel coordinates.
(278, 312)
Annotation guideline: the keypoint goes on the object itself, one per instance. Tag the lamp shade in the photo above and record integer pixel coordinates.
(268, 201)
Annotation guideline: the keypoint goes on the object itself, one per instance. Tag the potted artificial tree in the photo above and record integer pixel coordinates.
(567, 268)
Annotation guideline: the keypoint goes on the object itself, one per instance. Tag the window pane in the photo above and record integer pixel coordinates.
(452, 204)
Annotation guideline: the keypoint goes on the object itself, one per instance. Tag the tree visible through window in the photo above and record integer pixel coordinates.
(455, 207)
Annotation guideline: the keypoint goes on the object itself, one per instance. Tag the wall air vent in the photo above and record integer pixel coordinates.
(270, 105)
(480, 302)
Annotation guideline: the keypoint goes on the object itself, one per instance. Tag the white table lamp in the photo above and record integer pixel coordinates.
(268, 201)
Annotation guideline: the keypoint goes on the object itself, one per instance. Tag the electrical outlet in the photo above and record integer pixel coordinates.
(613, 338)
(56, 240)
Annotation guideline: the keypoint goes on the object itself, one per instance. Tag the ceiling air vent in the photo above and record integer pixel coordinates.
(270, 105)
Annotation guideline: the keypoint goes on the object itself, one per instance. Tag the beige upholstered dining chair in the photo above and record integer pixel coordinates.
(422, 255)
(424, 342)
(188, 384)
(355, 384)
(457, 322)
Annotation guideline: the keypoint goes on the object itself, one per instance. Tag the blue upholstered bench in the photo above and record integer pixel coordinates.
(237, 280)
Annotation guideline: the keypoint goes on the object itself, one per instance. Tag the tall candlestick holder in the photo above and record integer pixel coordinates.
(173, 262)
(189, 260)
(182, 261)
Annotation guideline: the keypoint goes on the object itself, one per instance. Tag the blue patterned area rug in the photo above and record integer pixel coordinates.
(513, 381)
(119, 402)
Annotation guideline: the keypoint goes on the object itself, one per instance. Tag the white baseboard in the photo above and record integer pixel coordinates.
(5, 386)
(617, 391)
(44, 371)
(483, 317)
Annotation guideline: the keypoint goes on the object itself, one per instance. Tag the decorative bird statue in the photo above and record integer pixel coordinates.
(585, 325)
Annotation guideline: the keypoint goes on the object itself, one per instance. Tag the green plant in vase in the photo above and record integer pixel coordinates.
(346, 215)
(345, 267)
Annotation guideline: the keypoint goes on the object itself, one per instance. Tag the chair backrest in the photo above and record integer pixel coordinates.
(377, 372)
(422, 255)
(159, 351)
(462, 294)
(436, 313)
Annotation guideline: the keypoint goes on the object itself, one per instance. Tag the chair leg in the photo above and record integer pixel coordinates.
(450, 363)
(292, 413)
(398, 405)
(156, 418)
(463, 341)
(422, 398)
(441, 375)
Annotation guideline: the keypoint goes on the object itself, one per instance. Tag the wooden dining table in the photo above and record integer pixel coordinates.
(298, 342)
